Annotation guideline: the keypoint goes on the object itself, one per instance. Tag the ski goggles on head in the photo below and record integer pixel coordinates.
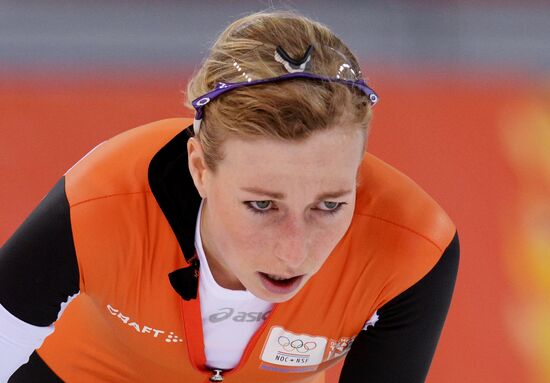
(341, 71)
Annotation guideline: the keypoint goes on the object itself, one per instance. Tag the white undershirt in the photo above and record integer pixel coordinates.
(229, 317)
(19, 339)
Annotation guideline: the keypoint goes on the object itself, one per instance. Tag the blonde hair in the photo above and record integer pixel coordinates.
(290, 109)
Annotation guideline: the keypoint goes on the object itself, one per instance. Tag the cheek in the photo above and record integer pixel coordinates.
(324, 245)
(253, 243)
(330, 234)
(239, 236)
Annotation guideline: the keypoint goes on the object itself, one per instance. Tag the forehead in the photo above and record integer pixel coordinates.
(332, 154)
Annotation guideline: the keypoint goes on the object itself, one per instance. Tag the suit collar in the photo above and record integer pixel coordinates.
(175, 192)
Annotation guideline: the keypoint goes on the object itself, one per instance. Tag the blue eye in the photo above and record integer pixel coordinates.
(260, 207)
(330, 206)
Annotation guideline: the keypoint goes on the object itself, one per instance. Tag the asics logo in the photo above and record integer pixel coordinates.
(239, 316)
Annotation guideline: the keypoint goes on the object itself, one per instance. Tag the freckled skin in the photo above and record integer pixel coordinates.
(296, 233)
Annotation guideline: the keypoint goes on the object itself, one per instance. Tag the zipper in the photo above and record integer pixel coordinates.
(247, 351)
(216, 376)
(192, 323)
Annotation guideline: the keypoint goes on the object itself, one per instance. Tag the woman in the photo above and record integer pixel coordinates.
(267, 252)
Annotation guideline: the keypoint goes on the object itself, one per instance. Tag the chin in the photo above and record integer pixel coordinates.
(275, 298)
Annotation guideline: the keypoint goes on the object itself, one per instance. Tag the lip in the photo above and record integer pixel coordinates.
(284, 287)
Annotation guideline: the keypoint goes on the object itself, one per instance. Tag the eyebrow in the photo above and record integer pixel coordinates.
(277, 195)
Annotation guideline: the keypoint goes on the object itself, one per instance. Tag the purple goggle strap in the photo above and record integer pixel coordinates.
(221, 88)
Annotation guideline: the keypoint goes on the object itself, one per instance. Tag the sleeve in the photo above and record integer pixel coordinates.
(399, 344)
(38, 277)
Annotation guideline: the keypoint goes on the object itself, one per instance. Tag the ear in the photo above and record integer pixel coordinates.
(197, 165)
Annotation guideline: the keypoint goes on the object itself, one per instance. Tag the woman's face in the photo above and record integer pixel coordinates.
(274, 210)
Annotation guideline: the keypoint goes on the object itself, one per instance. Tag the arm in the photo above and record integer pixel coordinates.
(400, 346)
(38, 277)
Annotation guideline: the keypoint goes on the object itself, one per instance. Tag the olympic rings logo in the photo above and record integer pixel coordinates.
(296, 345)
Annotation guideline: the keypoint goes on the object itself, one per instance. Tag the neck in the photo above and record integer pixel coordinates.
(220, 273)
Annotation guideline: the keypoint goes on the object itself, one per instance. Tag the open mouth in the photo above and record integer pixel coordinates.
(279, 285)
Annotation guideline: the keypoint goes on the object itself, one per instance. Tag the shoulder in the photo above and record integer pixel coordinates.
(120, 164)
(400, 231)
(116, 220)
(389, 196)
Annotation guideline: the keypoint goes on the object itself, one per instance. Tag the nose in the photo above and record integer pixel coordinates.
(292, 245)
